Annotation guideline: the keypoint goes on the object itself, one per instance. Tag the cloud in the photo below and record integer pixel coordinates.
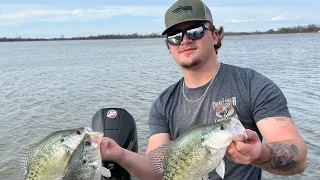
(284, 17)
(233, 20)
(46, 14)
(108, 18)
(158, 20)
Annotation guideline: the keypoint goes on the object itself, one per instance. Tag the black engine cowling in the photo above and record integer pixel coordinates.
(119, 125)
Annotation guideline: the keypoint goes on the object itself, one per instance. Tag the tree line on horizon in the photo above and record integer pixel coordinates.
(312, 28)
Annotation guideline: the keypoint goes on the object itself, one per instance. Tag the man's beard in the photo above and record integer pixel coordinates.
(193, 64)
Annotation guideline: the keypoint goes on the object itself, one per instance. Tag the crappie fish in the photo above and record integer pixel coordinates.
(48, 158)
(85, 162)
(198, 151)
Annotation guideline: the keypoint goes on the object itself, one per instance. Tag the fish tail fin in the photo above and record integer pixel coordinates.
(157, 158)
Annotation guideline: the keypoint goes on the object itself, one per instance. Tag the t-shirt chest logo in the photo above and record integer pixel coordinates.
(224, 111)
(224, 108)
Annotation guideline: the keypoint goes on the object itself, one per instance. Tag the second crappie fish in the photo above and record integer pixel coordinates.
(198, 151)
(85, 162)
(48, 158)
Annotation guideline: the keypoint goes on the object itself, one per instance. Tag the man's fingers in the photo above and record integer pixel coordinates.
(104, 142)
(234, 152)
(240, 146)
(243, 152)
(252, 135)
(235, 155)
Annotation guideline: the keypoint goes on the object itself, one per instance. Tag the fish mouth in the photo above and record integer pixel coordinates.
(238, 131)
(95, 137)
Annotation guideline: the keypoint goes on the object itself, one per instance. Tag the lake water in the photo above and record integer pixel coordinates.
(49, 86)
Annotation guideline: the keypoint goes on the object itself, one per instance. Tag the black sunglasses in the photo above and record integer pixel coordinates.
(194, 32)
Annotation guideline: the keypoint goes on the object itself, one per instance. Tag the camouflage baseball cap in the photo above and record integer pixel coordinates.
(186, 10)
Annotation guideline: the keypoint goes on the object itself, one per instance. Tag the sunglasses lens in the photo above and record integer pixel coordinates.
(175, 39)
(195, 33)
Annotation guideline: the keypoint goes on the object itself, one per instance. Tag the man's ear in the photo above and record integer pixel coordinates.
(215, 36)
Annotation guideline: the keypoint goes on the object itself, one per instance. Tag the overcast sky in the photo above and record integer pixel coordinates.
(52, 18)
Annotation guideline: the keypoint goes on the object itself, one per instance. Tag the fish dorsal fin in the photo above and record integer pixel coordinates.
(29, 150)
(24, 163)
(157, 158)
(221, 168)
(26, 153)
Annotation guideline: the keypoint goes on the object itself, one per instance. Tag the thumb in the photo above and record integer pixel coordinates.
(105, 148)
(106, 144)
(105, 141)
(252, 135)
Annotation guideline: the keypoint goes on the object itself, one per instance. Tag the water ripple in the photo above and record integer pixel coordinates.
(49, 86)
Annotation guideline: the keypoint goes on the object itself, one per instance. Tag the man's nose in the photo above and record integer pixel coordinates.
(186, 39)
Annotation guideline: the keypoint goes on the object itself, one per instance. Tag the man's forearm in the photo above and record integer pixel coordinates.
(139, 165)
(282, 158)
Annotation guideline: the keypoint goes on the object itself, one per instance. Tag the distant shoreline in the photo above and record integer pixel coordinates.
(312, 28)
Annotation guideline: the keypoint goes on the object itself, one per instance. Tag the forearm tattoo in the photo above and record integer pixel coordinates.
(282, 156)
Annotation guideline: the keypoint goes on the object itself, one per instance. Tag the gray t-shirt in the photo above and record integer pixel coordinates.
(252, 96)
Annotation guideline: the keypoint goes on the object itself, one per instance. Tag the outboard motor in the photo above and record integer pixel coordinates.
(119, 125)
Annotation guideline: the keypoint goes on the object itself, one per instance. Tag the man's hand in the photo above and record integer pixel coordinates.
(110, 150)
(138, 165)
(245, 152)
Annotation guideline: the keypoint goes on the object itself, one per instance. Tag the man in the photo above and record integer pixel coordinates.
(206, 93)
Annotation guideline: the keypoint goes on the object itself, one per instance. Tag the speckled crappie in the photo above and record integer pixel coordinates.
(85, 162)
(198, 151)
(48, 158)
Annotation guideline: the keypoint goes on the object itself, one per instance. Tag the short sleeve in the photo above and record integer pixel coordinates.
(267, 99)
(157, 121)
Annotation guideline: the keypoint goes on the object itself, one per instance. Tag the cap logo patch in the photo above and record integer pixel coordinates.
(182, 8)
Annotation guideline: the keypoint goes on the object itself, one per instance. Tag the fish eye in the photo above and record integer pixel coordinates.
(88, 143)
(78, 132)
(202, 139)
(62, 140)
(84, 161)
(222, 127)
